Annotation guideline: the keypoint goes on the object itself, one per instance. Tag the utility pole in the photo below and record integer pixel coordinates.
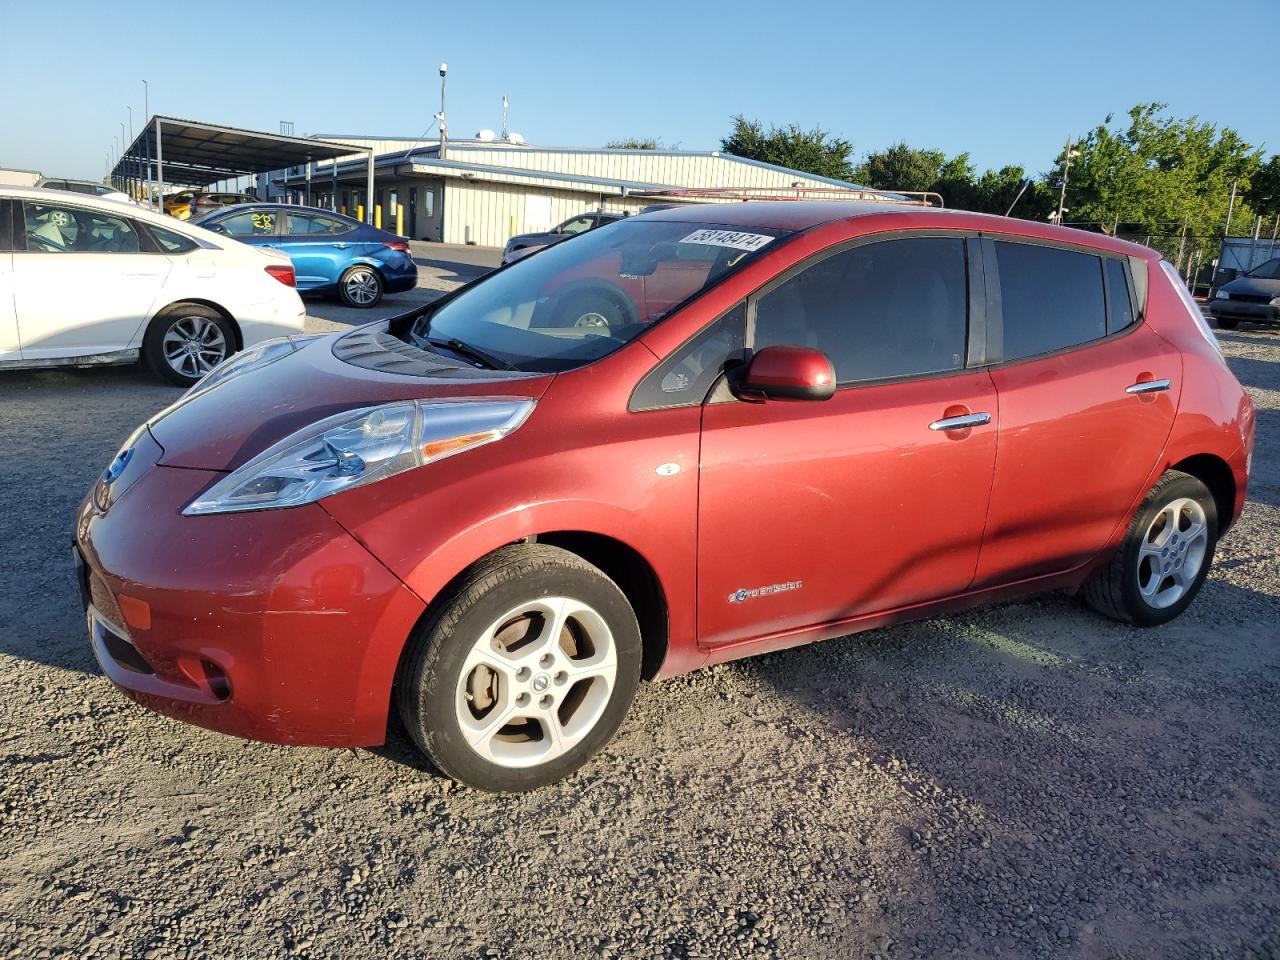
(1182, 242)
(1231, 205)
(1062, 194)
(444, 128)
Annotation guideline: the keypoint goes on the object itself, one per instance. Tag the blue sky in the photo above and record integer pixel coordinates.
(1006, 81)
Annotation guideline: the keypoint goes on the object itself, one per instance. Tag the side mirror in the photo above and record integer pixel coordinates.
(788, 373)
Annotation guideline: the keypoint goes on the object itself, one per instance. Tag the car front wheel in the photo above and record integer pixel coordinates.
(1165, 556)
(524, 672)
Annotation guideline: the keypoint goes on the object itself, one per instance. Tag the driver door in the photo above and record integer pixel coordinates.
(83, 280)
(814, 512)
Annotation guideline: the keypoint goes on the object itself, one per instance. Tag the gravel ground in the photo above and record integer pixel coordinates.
(1024, 781)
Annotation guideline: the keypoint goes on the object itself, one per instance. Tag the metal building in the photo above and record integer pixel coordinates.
(484, 192)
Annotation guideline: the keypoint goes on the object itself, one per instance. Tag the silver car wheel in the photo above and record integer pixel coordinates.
(536, 682)
(1172, 552)
(194, 345)
(361, 287)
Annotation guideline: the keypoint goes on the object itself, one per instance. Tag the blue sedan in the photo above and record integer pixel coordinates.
(331, 253)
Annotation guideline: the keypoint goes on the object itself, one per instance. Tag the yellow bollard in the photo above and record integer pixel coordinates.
(400, 219)
(360, 212)
(343, 209)
(377, 216)
(511, 225)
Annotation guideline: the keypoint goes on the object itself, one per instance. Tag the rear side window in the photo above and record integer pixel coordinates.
(171, 242)
(307, 223)
(1050, 298)
(1122, 313)
(895, 308)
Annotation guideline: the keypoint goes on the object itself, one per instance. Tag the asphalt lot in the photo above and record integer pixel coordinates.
(1024, 781)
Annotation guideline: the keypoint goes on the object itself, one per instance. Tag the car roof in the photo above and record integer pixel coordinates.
(802, 215)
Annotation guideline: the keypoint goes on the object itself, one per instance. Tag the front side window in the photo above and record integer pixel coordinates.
(57, 229)
(576, 302)
(893, 308)
(250, 223)
(1050, 298)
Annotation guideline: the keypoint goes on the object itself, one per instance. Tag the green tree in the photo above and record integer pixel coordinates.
(1156, 175)
(812, 151)
(1264, 188)
(634, 143)
(901, 167)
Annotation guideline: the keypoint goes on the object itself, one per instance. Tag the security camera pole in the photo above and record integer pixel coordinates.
(1062, 194)
(444, 129)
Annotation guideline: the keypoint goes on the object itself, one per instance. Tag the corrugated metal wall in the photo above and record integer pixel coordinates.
(684, 170)
(495, 212)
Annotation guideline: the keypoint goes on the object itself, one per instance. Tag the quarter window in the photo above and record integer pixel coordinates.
(1121, 314)
(686, 376)
(1050, 298)
(57, 229)
(895, 308)
(171, 242)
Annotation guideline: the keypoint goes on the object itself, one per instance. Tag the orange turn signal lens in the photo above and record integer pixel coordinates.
(438, 448)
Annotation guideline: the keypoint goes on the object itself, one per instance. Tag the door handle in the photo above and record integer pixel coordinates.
(1147, 386)
(339, 246)
(961, 423)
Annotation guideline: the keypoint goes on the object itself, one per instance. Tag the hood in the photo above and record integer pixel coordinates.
(243, 416)
(543, 238)
(1253, 286)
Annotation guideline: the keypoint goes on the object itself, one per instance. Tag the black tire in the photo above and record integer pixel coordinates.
(1226, 323)
(431, 672)
(597, 309)
(172, 318)
(1114, 590)
(361, 287)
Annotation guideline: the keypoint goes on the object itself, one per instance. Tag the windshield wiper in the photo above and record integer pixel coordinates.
(466, 350)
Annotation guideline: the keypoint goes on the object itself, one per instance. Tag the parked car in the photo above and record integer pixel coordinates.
(89, 281)
(494, 518)
(523, 244)
(1253, 297)
(192, 205)
(332, 253)
(105, 191)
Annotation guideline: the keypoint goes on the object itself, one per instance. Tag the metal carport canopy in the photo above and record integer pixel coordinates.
(196, 154)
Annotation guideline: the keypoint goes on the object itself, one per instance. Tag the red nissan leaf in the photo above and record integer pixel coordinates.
(700, 434)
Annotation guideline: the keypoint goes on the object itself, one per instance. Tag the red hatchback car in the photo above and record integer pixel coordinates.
(698, 434)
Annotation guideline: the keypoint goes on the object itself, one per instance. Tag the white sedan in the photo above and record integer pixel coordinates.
(88, 281)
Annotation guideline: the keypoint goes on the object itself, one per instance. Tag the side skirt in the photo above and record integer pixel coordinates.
(89, 360)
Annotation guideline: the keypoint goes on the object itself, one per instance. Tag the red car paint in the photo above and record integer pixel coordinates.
(287, 625)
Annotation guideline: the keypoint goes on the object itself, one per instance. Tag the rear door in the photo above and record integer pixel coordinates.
(320, 247)
(83, 280)
(816, 512)
(1076, 443)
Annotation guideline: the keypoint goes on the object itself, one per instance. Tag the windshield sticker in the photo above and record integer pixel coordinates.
(728, 238)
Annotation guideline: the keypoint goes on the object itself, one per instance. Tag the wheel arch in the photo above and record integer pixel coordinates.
(1216, 474)
(216, 307)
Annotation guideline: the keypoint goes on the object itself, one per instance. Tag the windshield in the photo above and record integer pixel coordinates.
(1267, 271)
(587, 296)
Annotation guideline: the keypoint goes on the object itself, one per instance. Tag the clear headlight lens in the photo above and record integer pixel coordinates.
(1222, 295)
(359, 447)
(268, 351)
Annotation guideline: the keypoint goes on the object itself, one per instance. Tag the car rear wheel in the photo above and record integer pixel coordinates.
(1226, 323)
(361, 287)
(1165, 556)
(524, 672)
(186, 341)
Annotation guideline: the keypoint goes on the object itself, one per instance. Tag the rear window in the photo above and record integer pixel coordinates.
(1051, 298)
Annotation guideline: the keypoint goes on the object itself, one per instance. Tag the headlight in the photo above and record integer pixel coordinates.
(358, 447)
(1222, 295)
(269, 351)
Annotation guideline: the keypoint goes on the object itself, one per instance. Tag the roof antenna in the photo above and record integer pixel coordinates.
(505, 104)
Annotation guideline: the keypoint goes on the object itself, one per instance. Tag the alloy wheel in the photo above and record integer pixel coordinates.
(1172, 552)
(536, 682)
(194, 345)
(361, 287)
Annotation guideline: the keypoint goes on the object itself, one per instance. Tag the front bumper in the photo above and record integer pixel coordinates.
(274, 626)
(1245, 310)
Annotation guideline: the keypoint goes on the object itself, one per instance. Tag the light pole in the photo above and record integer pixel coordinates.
(444, 129)
(1066, 172)
(146, 104)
